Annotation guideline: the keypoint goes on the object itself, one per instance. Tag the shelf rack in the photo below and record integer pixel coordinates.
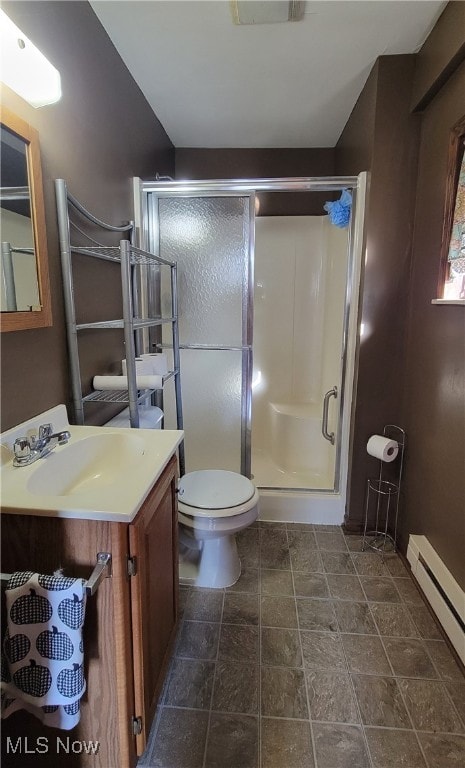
(130, 258)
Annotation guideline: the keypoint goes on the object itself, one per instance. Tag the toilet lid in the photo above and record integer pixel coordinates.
(214, 489)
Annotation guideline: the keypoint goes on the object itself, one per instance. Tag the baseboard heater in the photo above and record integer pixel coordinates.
(446, 597)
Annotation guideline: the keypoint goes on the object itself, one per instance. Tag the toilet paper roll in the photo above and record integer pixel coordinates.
(143, 367)
(382, 448)
(150, 417)
(158, 362)
(121, 382)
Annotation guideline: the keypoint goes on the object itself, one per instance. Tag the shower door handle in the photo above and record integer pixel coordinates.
(324, 422)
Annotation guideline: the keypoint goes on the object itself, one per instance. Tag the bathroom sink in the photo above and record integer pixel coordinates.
(92, 463)
(102, 473)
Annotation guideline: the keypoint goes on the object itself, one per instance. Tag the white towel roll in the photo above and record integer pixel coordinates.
(121, 382)
(157, 361)
(150, 417)
(143, 367)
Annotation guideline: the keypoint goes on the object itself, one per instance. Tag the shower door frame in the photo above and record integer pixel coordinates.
(350, 339)
(150, 199)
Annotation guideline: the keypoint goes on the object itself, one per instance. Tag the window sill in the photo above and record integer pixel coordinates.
(460, 302)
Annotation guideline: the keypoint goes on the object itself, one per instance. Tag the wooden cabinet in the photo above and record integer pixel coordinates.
(129, 628)
(153, 544)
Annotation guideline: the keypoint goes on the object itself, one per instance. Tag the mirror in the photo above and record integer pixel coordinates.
(24, 282)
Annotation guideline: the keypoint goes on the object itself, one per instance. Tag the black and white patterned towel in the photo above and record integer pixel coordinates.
(43, 652)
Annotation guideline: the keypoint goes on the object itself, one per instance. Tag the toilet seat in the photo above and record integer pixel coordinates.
(215, 493)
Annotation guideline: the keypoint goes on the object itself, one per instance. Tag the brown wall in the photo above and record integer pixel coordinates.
(440, 55)
(381, 137)
(263, 164)
(97, 137)
(355, 148)
(434, 379)
(411, 366)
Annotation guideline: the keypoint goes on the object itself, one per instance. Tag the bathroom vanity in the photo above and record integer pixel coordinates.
(131, 619)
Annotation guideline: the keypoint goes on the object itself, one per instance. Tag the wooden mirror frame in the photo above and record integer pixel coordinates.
(456, 139)
(42, 318)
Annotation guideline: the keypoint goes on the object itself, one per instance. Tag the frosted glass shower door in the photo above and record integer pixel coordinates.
(210, 239)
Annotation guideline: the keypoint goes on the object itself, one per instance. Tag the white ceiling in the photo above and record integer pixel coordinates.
(215, 84)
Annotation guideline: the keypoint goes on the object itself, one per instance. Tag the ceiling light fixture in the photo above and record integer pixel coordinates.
(267, 11)
(24, 69)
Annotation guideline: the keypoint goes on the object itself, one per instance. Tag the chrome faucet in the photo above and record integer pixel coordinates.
(29, 449)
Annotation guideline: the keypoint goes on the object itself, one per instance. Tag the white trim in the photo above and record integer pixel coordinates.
(420, 546)
(460, 302)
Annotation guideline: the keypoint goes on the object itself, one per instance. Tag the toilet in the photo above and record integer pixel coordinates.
(213, 504)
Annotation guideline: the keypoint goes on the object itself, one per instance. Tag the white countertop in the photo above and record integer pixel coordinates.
(135, 461)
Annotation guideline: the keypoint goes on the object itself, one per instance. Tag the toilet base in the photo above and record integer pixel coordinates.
(220, 565)
(210, 535)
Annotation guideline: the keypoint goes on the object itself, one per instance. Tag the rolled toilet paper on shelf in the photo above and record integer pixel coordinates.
(143, 367)
(382, 448)
(150, 417)
(157, 361)
(121, 382)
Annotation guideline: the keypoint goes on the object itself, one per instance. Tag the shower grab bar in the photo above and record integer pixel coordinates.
(324, 422)
(102, 569)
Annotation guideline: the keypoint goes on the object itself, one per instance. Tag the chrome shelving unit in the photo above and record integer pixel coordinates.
(130, 258)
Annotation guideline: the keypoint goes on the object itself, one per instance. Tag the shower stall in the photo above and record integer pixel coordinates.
(268, 334)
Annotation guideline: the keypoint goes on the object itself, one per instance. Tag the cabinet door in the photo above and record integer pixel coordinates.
(39, 544)
(153, 541)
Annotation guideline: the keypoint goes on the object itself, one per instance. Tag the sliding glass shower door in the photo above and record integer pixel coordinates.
(307, 276)
(301, 272)
(211, 239)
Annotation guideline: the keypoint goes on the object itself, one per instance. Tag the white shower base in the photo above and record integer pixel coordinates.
(266, 473)
(289, 496)
(317, 507)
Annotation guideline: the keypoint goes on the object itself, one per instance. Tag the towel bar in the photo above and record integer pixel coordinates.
(102, 569)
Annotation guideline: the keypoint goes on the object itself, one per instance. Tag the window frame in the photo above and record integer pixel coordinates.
(455, 156)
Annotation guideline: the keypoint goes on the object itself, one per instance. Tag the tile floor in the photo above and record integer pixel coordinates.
(321, 656)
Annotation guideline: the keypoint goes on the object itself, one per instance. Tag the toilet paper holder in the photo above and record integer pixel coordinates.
(385, 494)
